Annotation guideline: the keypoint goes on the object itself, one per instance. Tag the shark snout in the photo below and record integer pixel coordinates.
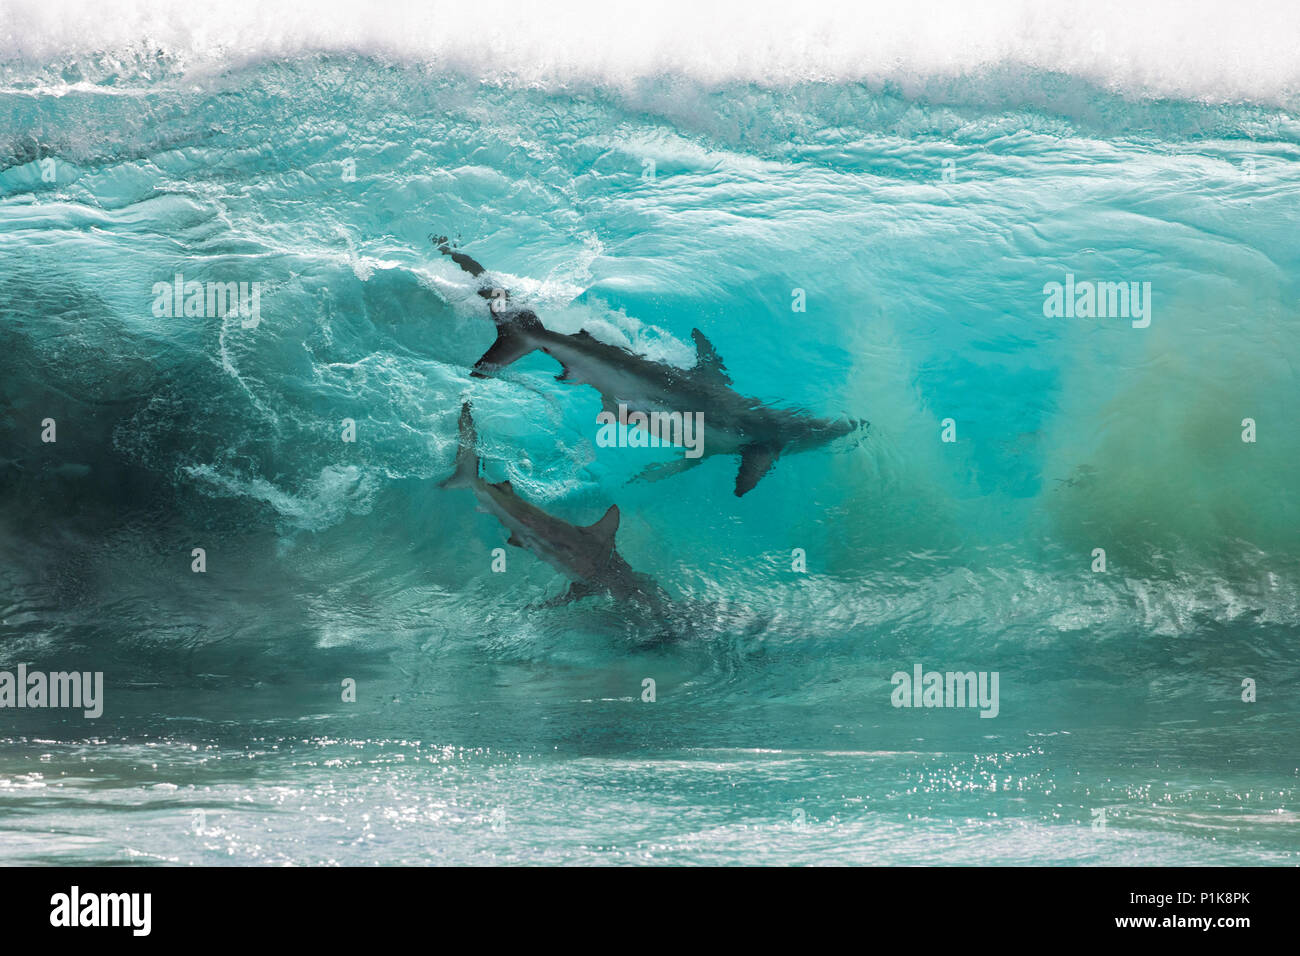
(857, 427)
(843, 426)
(819, 432)
(838, 428)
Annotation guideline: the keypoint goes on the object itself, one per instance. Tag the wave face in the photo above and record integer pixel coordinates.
(918, 217)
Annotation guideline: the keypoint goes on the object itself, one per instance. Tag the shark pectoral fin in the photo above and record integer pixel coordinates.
(577, 591)
(707, 359)
(605, 529)
(666, 469)
(514, 540)
(755, 462)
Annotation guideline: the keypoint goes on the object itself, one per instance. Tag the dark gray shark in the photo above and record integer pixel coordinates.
(586, 556)
(733, 424)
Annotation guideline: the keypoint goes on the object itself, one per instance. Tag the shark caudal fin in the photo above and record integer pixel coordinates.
(513, 325)
(466, 472)
(468, 263)
(514, 341)
(497, 296)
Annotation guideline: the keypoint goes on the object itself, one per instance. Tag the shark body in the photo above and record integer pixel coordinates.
(733, 424)
(584, 555)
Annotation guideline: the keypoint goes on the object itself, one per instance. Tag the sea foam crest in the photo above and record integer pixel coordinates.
(1190, 49)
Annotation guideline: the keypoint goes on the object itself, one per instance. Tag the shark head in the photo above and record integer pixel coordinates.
(815, 432)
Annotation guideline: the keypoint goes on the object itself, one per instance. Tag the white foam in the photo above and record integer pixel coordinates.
(1195, 49)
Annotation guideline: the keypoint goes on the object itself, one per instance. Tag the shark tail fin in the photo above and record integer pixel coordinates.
(466, 457)
(513, 340)
(468, 263)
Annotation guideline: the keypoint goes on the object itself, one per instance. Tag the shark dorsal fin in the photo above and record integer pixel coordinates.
(707, 359)
(605, 528)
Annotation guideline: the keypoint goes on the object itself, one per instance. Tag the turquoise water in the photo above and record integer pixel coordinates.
(921, 228)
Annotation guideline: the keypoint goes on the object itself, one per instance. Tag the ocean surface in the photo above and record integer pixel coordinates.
(1148, 713)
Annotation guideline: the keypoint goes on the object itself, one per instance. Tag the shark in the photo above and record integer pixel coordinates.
(758, 433)
(586, 556)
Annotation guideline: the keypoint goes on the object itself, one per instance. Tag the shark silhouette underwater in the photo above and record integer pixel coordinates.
(734, 424)
(585, 555)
